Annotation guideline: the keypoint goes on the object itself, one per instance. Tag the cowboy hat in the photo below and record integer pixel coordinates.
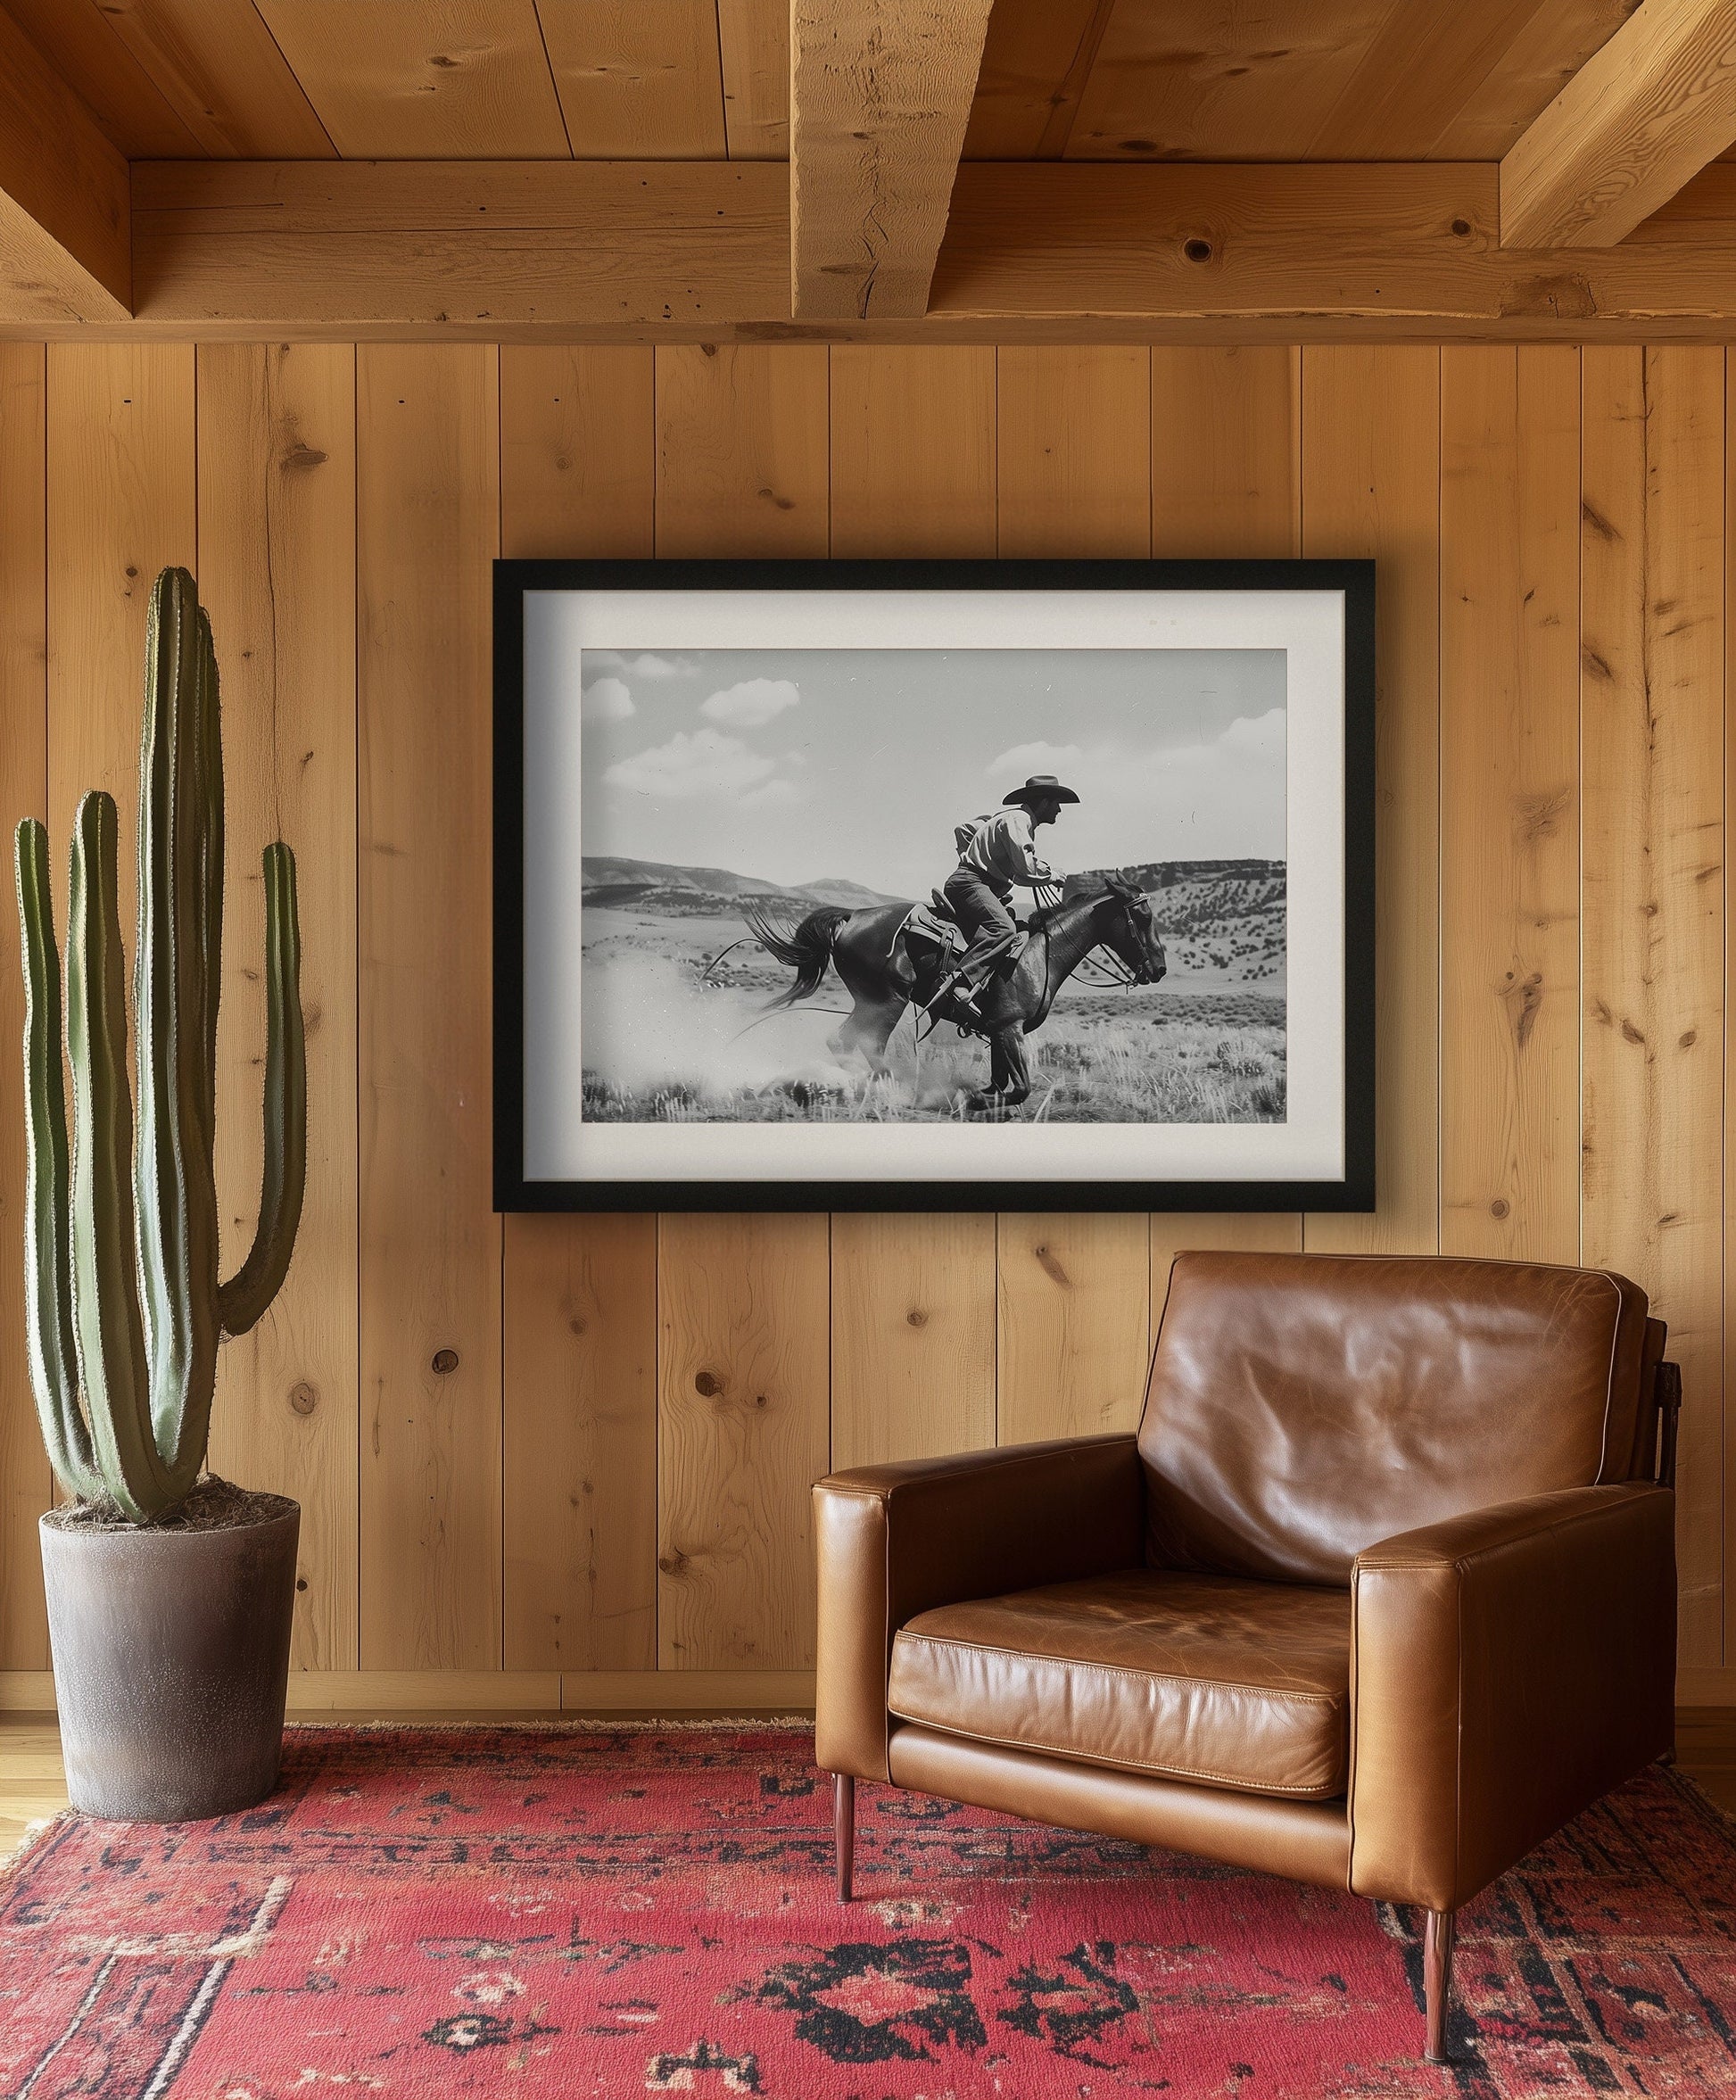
(1041, 787)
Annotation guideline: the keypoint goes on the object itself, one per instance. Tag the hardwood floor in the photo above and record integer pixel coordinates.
(1706, 1750)
(33, 1785)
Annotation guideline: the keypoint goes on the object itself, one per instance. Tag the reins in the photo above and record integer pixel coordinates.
(1099, 958)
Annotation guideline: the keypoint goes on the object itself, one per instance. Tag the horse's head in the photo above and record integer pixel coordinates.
(1130, 932)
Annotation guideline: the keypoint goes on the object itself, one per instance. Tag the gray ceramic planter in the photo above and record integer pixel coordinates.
(172, 1663)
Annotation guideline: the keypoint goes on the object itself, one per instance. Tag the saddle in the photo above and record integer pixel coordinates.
(934, 921)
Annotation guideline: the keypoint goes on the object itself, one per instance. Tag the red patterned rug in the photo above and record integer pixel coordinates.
(578, 1911)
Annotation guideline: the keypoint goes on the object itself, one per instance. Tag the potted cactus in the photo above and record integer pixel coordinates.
(169, 1592)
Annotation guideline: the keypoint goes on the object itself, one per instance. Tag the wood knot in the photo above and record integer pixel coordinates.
(1563, 295)
(445, 1360)
(302, 1397)
(1500, 1207)
(1197, 250)
(709, 1384)
(916, 1317)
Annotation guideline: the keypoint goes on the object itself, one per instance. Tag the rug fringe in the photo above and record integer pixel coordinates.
(35, 1832)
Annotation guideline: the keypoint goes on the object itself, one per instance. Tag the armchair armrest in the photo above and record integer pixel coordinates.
(1508, 1668)
(893, 1540)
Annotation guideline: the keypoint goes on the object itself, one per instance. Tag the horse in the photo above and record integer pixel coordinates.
(863, 947)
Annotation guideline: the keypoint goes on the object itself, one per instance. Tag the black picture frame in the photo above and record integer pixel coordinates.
(1355, 1192)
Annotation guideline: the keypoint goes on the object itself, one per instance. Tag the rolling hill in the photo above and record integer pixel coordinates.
(1222, 920)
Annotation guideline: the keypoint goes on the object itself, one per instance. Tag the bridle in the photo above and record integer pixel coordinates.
(1106, 966)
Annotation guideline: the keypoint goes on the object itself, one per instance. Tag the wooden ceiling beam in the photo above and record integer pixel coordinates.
(1639, 120)
(880, 94)
(65, 238)
(698, 251)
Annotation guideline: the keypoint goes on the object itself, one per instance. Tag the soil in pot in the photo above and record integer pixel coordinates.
(172, 1653)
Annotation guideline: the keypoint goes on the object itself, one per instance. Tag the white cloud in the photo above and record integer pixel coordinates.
(1024, 759)
(754, 701)
(1225, 796)
(643, 666)
(702, 765)
(776, 790)
(606, 699)
(1259, 738)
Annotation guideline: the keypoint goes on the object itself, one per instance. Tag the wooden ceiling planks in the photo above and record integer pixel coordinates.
(754, 36)
(1329, 79)
(1233, 80)
(1219, 79)
(1416, 77)
(1542, 59)
(79, 42)
(425, 80)
(1036, 61)
(220, 70)
(632, 77)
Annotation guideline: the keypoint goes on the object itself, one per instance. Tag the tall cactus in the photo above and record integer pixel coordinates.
(125, 1308)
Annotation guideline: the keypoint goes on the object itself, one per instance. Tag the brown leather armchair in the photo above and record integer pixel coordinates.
(1382, 1594)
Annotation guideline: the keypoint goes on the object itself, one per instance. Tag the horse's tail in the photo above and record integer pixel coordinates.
(806, 949)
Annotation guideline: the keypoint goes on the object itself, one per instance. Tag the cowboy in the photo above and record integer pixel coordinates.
(994, 852)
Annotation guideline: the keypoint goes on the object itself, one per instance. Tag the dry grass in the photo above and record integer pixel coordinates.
(1188, 1058)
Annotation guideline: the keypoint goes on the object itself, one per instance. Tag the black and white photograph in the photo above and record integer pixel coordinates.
(902, 885)
(965, 874)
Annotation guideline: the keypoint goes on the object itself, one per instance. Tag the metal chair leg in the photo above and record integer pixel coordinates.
(843, 1825)
(1437, 1980)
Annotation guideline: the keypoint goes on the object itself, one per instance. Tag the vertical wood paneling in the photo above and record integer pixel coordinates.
(427, 526)
(912, 451)
(1728, 1410)
(1653, 584)
(580, 1461)
(276, 531)
(578, 476)
(26, 1486)
(1224, 452)
(742, 449)
(913, 1297)
(743, 1302)
(578, 452)
(1226, 480)
(1371, 484)
(122, 505)
(912, 1336)
(1075, 1328)
(1073, 444)
(742, 1437)
(663, 1420)
(1236, 1232)
(1509, 803)
(1074, 430)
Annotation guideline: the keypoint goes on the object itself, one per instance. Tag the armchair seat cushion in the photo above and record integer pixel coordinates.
(1222, 1680)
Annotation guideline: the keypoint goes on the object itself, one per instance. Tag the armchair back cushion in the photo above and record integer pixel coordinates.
(1302, 1407)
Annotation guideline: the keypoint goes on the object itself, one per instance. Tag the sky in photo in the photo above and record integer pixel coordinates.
(799, 764)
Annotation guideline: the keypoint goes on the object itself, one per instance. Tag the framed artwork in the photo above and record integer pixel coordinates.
(957, 885)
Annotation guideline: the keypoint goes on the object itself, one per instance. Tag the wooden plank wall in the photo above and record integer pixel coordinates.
(611, 1477)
